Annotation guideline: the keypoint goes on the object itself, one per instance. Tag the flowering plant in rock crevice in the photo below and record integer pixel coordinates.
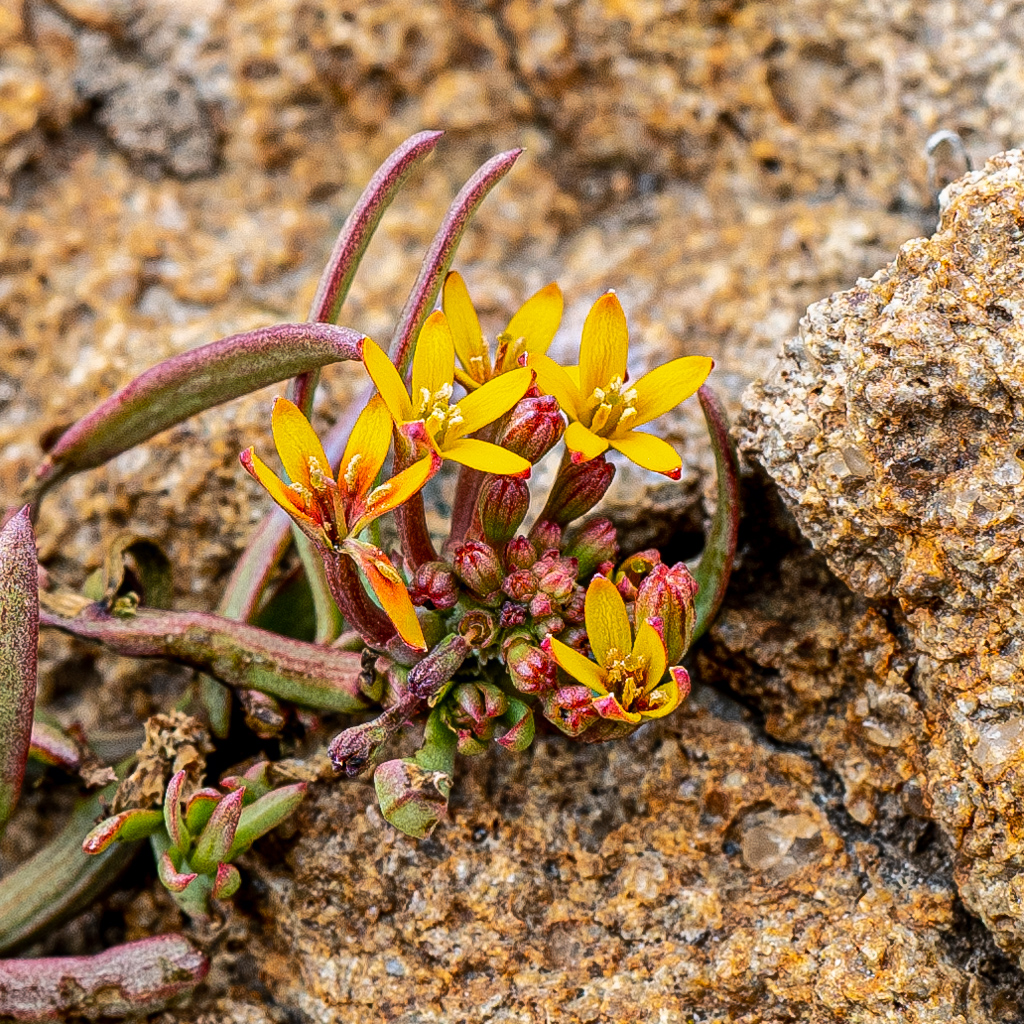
(480, 634)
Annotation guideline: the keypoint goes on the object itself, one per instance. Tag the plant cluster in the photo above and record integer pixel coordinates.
(481, 635)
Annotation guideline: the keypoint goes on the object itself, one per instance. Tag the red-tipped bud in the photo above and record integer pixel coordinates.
(532, 669)
(665, 598)
(503, 504)
(479, 627)
(478, 566)
(427, 677)
(533, 427)
(548, 625)
(520, 553)
(520, 585)
(511, 615)
(559, 580)
(570, 708)
(573, 609)
(578, 487)
(435, 584)
(592, 543)
(546, 535)
(541, 605)
(474, 705)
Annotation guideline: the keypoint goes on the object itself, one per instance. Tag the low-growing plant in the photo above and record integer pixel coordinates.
(480, 635)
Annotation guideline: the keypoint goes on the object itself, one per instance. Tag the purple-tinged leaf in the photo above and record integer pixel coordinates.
(521, 727)
(172, 879)
(58, 880)
(352, 241)
(235, 653)
(19, 642)
(126, 980)
(174, 819)
(265, 814)
(438, 259)
(216, 839)
(51, 745)
(189, 383)
(199, 807)
(226, 884)
(126, 827)
(713, 570)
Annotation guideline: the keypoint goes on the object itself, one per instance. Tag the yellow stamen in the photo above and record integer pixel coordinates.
(350, 471)
(610, 406)
(626, 675)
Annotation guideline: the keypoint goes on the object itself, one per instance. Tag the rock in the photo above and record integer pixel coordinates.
(892, 426)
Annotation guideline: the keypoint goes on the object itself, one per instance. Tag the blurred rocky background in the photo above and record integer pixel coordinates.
(174, 172)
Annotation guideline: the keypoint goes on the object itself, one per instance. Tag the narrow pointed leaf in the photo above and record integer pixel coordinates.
(216, 839)
(51, 745)
(233, 652)
(125, 827)
(438, 259)
(170, 878)
(715, 566)
(174, 819)
(19, 639)
(520, 727)
(200, 806)
(265, 814)
(226, 882)
(186, 384)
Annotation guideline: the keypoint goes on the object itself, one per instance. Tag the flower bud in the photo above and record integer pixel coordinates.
(666, 594)
(559, 579)
(479, 628)
(434, 583)
(546, 535)
(520, 553)
(478, 566)
(578, 487)
(520, 585)
(511, 615)
(532, 670)
(474, 705)
(533, 427)
(503, 504)
(592, 543)
(575, 608)
(570, 708)
(427, 677)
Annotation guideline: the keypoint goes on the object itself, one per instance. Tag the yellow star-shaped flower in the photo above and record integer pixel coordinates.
(530, 331)
(447, 425)
(603, 408)
(331, 512)
(626, 678)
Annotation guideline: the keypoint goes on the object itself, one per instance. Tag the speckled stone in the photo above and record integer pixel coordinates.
(892, 426)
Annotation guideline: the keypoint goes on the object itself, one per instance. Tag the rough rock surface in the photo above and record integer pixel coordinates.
(173, 172)
(893, 427)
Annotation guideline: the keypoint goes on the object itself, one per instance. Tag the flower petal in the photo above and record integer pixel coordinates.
(368, 445)
(587, 672)
(467, 336)
(604, 612)
(649, 452)
(651, 648)
(387, 380)
(583, 442)
(487, 457)
(664, 387)
(538, 318)
(668, 700)
(604, 345)
(491, 400)
(433, 365)
(296, 442)
(609, 707)
(553, 380)
(276, 487)
(390, 590)
(397, 490)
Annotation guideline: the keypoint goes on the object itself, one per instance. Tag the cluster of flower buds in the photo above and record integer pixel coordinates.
(196, 837)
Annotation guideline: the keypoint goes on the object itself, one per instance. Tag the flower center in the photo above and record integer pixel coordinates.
(437, 414)
(318, 499)
(612, 406)
(626, 676)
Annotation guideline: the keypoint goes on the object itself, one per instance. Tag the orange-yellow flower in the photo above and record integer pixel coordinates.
(447, 424)
(531, 331)
(626, 679)
(604, 410)
(331, 512)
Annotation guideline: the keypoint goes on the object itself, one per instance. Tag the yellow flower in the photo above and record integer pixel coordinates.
(447, 425)
(531, 331)
(626, 678)
(603, 409)
(332, 511)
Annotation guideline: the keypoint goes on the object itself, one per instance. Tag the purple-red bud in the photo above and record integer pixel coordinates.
(546, 535)
(428, 676)
(533, 427)
(520, 585)
(665, 598)
(520, 553)
(434, 583)
(559, 580)
(591, 544)
(503, 504)
(578, 487)
(532, 669)
(570, 708)
(478, 566)
(475, 704)
(511, 615)
(573, 610)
